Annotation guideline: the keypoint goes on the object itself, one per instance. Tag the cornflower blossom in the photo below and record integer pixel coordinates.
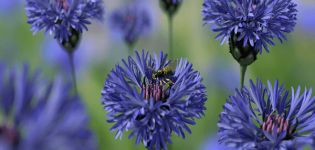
(273, 118)
(153, 106)
(39, 114)
(130, 22)
(256, 21)
(62, 16)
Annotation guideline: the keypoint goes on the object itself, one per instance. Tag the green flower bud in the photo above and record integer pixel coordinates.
(73, 41)
(243, 55)
(169, 7)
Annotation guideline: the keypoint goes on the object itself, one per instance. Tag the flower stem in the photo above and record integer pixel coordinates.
(130, 49)
(242, 75)
(70, 54)
(170, 34)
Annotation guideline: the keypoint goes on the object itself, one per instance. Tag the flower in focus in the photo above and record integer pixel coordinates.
(256, 21)
(130, 22)
(37, 114)
(153, 105)
(62, 16)
(282, 121)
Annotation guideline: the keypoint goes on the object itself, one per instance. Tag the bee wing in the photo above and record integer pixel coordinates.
(163, 61)
(172, 65)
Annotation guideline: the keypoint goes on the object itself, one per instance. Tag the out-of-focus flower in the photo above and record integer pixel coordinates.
(211, 143)
(306, 21)
(130, 22)
(160, 106)
(62, 16)
(287, 123)
(256, 21)
(223, 74)
(56, 58)
(7, 7)
(175, 1)
(38, 114)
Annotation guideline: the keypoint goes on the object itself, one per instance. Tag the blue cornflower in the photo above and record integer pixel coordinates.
(38, 114)
(281, 122)
(256, 21)
(61, 16)
(136, 97)
(130, 22)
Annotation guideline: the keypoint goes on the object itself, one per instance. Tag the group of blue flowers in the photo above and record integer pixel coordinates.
(40, 114)
(145, 94)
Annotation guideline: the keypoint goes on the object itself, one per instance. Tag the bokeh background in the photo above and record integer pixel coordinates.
(292, 62)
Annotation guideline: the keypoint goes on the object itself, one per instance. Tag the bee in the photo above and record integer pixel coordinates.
(166, 71)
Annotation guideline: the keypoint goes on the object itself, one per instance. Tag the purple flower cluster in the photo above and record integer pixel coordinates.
(60, 15)
(39, 114)
(256, 21)
(130, 22)
(282, 122)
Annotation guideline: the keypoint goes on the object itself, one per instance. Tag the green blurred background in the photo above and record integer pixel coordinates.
(291, 62)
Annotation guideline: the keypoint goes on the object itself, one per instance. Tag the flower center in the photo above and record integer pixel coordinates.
(279, 122)
(129, 18)
(9, 135)
(64, 5)
(154, 90)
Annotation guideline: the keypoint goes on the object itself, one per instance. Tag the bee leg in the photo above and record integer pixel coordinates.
(150, 68)
(166, 83)
(160, 82)
(170, 81)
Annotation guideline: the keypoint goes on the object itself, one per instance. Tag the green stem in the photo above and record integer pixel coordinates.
(130, 49)
(170, 34)
(242, 76)
(70, 54)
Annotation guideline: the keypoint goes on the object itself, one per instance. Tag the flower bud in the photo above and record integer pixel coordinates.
(72, 40)
(243, 55)
(169, 6)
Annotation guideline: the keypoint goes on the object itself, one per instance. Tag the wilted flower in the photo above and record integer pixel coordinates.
(256, 21)
(63, 17)
(130, 22)
(37, 114)
(281, 122)
(153, 106)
